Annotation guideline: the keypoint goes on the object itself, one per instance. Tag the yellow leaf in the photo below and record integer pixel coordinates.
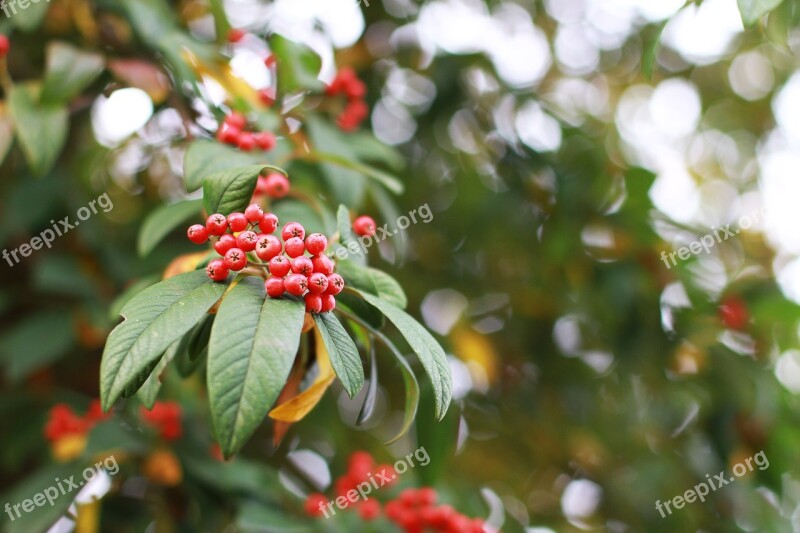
(476, 350)
(222, 74)
(298, 407)
(69, 447)
(184, 263)
(88, 519)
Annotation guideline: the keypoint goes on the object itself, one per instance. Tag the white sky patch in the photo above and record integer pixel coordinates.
(704, 34)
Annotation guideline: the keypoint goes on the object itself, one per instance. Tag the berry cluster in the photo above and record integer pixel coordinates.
(233, 131)
(5, 45)
(291, 270)
(166, 418)
(63, 421)
(346, 82)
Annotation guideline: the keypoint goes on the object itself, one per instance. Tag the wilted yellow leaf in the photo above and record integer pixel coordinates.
(184, 263)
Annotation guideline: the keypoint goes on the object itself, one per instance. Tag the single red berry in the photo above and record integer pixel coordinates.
(277, 185)
(408, 497)
(317, 282)
(388, 472)
(369, 510)
(296, 284)
(246, 142)
(274, 287)
(270, 60)
(328, 303)
(266, 97)
(733, 313)
(293, 229)
(315, 504)
(197, 233)
(364, 226)
(5, 45)
(228, 134)
(335, 284)
(235, 35)
(217, 270)
(236, 120)
(216, 224)
(265, 140)
(302, 265)
(316, 243)
(267, 247)
(294, 247)
(313, 303)
(279, 266)
(268, 223)
(355, 89)
(358, 110)
(254, 212)
(237, 222)
(261, 185)
(359, 465)
(477, 526)
(224, 243)
(235, 259)
(247, 240)
(322, 263)
(426, 496)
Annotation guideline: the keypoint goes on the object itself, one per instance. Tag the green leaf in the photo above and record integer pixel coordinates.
(384, 178)
(429, 352)
(6, 135)
(29, 18)
(36, 342)
(344, 356)
(163, 220)
(367, 148)
(138, 286)
(347, 238)
(373, 281)
(650, 51)
(753, 10)
(371, 396)
(230, 190)
(148, 392)
(346, 185)
(205, 157)
(298, 65)
(154, 319)
(290, 210)
(389, 212)
(253, 345)
(69, 71)
(42, 129)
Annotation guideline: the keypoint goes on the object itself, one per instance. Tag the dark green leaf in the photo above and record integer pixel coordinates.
(298, 65)
(373, 281)
(230, 190)
(368, 148)
(368, 407)
(69, 71)
(154, 319)
(148, 392)
(38, 341)
(344, 356)
(753, 10)
(348, 239)
(163, 220)
(253, 345)
(205, 157)
(429, 352)
(42, 129)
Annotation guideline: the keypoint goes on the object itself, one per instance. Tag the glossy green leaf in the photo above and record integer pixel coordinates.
(230, 190)
(42, 129)
(69, 71)
(154, 319)
(205, 157)
(163, 220)
(344, 356)
(148, 392)
(427, 349)
(373, 281)
(253, 345)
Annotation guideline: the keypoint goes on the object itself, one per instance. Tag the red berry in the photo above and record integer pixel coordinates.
(235, 35)
(388, 472)
(277, 185)
(268, 223)
(261, 185)
(266, 97)
(224, 243)
(317, 282)
(216, 224)
(733, 313)
(477, 526)
(328, 303)
(313, 303)
(235, 259)
(217, 270)
(267, 247)
(426, 496)
(322, 263)
(369, 510)
(236, 121)
(296, 284)
(316, 243)
(228, 134)
(237, 222)
(279, 266)
(315, 504)
(335, 284)
(270, 60)
(254, 212)
(408, 497)
(293, 229)
(247, 241)
(197, 233)
(246, 142)
(5, 45)
(355, 89)
(359, 465)
(302, 265)
(274, 287)
(265, 140)
(294, 247)
(364, 226)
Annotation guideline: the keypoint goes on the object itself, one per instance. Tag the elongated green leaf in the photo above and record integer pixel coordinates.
(42, 129)
(429, 352)
(230, 190)
(154, 319)
(370, 149)
(368, 407)
(298, 65)
(373, 281)
(389, 212)
(253, 345)
(69, 71)
(344, 356)
(149, 389)
(346, 185)
(205, 157)
(384, 178)
(753, 10)
(163, 220)
(347, 238)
